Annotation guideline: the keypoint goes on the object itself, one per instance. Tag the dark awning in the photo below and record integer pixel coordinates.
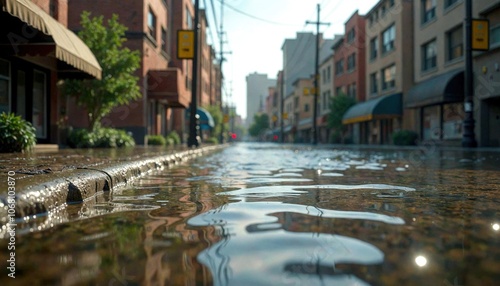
(444, 88)
(206, 119)
(383, 107)
(68, 47)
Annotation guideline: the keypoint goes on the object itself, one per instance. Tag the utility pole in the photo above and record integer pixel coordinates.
(223, 110)
(468, 138)
(282, 101)
(193, 139)
(316, 78)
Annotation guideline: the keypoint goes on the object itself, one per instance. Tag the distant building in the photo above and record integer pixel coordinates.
(257, 91)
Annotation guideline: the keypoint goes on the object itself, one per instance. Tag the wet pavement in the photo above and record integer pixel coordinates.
(266, 214)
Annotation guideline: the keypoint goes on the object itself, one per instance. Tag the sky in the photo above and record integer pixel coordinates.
(255, 30)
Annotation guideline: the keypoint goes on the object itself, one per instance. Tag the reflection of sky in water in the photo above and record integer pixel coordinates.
(258, 250)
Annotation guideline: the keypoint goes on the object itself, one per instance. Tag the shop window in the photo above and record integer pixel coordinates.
(39, 113)
(21, 94)
(431, 127)
(4, 86)
(453, 116)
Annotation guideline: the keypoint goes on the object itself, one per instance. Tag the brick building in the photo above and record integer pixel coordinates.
(39, 51)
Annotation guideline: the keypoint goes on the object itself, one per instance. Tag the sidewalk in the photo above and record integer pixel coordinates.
(45, 180)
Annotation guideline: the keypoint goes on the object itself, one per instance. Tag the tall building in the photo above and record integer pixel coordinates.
(37, 51)
(298, 59)
(389, 73)
(257, 91)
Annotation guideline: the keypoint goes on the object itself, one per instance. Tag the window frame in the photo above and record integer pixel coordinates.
(386, 84)
(425, 59)
(152, 26)
(428, 14)
(374, 45)
(449, 45)
(390, 32)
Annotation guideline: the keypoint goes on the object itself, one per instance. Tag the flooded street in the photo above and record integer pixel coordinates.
(268, 214)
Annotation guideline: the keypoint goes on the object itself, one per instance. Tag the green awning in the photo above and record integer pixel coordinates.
(383, 107)
(444, 88)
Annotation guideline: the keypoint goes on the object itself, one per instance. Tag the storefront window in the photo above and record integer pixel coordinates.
(4, 86)
(21, 94)
(40, 104)
(453, 116)
(431, 129)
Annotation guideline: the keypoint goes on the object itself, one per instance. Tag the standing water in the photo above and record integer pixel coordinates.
(265, 214)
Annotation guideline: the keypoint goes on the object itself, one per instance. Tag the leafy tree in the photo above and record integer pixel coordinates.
(118, 85)
(260, 124)
(338, 107)
(218, 117)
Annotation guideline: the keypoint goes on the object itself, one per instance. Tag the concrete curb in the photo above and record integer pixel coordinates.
(34, 197)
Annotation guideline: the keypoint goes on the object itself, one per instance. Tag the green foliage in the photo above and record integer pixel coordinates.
(118, 85)
(100, 138)
(218, 117)
(339, 105)
(404, 138)
(156, 140)
(212, 140)
(16, 134)
(174, 137)
(259, 125)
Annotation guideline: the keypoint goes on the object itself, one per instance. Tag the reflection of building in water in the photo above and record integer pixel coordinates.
(172, 248)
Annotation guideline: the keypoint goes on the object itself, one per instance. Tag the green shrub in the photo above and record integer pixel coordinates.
(156, 140)
(169, 141)
(100, 138)
(212, 140)
(16, 134)
(404, 138)
(176, 139)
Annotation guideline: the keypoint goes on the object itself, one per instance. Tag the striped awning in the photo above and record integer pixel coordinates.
(68, 47)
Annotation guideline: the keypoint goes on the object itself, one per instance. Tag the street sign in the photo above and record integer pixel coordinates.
(226, 118)
(275, 118)
(285, 115)
(480, 35)
(185, 44)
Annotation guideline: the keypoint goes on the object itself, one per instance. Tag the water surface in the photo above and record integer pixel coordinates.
(265, 214)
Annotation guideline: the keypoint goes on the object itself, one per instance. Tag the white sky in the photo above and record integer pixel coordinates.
(255, 45)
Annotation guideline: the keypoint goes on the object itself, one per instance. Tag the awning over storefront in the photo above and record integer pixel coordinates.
(383, 107)
(68, 47)
(206, 119)
(444, 88)
(169, 85)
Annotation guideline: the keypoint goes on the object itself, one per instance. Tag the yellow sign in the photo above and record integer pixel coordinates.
(285, 115)
(226, 118)
(275, 118)
(185, 44)
(480, 35)
(306, 91)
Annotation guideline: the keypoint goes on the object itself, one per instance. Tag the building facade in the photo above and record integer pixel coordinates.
(257, 91)
(389, 73)
(35, 58)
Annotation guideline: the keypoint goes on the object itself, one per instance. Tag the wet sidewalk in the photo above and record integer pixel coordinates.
(43, 180)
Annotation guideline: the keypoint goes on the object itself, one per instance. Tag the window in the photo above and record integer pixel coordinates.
(448, 3)
(324, 75)
(373, 48)
(389, 77)
(351, 35)
(163, 39)
(382, 11)
(428, 10)
(329, 74)
(339, 67)
(4, 86)
(351, 62)
(495, 36)
(39, 114)
(152, 24)
(374, 83)
(455, 43)
(391, 3)
(351, 90)
(306, 107)
(339, 91)
(429, 55)
(388, 37)
(189, 19)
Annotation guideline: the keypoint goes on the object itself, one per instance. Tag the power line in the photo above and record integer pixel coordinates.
(215, 19)
(255, 17)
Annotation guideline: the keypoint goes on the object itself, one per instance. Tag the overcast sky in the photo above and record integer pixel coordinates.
(255, 33)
